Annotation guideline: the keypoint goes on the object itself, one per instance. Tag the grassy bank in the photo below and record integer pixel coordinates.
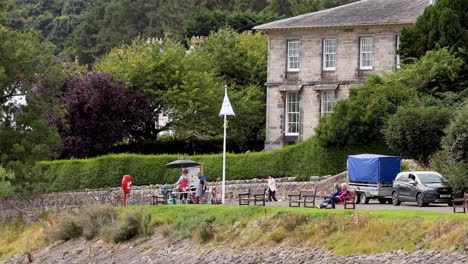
(344, 232)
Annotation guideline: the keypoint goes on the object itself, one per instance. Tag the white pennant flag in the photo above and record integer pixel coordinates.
(226, 109)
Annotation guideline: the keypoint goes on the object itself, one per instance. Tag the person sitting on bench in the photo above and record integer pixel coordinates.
(335, 197)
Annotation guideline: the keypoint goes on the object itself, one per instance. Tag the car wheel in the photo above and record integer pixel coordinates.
(358, 198)
(389, 200)
(364, 199)
(395, 199)
(382, 200)
(450, 204)
(420, 200)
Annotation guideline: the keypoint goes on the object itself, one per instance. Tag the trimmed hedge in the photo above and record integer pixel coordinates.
(301, 160)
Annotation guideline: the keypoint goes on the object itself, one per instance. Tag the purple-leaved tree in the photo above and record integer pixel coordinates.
(99, 112)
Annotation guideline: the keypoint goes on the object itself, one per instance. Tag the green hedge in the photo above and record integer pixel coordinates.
(301, 160)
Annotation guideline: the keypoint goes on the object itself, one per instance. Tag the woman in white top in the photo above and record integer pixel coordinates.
(271, 189)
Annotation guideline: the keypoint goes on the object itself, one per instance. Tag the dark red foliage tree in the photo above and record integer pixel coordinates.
(99, 112)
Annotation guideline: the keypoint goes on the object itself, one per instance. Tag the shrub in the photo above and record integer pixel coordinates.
(133, 223)
(416, 132)
(88, 222)
(67, 228)
(301, 160)
(456, 139)
(454, 171)
(360, 118)
(95, 218)
(206, 231)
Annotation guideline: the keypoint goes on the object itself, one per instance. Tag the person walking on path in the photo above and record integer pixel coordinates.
(271, 189)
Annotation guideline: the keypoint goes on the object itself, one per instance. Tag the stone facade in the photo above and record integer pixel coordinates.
(380, 19)
(310, 81)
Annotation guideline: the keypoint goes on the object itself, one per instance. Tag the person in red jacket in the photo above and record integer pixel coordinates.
(183, 184)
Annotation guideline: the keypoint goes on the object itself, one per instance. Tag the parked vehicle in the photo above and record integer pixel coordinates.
(371, 176)
(422, 187)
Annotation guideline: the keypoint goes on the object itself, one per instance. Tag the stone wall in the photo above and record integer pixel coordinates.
(28, 208)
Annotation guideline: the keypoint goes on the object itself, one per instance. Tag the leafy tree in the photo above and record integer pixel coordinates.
(299, 7)
(359, 119)
(149, 66)
(454, 171)
(416, 132)
(456, 139)
(444, 24)
(25, 133)
(99, 113)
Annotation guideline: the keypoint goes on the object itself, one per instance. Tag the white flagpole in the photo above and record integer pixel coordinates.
(224, 160)
(226, 109)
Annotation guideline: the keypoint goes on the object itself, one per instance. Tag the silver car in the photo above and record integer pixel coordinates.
(422, 187)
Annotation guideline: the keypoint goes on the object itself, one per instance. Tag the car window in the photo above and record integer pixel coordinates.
(412, 177)
(431, 177)
(402, 177)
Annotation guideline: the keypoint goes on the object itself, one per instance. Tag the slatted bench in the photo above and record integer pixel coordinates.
(349, 201)
(253, 195)
(460, 203)
(305, 197)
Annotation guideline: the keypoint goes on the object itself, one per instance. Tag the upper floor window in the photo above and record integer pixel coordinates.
(293, 55)
(327, 102)
(366, 53)
(292, 114)
(397, 55)
(329, 54)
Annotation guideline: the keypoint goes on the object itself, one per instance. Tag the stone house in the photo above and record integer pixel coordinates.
(313, 60)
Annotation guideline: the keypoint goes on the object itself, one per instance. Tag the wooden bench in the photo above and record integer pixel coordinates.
(460, 203)
(159, 199)
(254, 195)
(304, 197)
(349, 201)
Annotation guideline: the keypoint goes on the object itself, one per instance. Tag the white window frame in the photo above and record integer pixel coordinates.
(329, 53)
(291, 120)
(396, 52)
(366, 50)
(294, 55)
(327, 102)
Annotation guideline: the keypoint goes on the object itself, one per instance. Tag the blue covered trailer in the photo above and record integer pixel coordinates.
(372, 175)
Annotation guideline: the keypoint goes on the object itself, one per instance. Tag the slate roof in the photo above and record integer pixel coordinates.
(361, 13)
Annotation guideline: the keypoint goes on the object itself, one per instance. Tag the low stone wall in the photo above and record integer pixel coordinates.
(28, 208)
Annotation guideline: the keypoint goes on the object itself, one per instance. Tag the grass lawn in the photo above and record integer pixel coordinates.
(343, 231)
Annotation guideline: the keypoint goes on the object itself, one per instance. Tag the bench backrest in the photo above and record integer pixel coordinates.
(303, 193)
(257, 191)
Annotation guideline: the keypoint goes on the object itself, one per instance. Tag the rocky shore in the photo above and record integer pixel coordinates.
(162, 250)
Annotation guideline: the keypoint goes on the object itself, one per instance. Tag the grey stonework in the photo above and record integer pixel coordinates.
(29, 208)
(380, 19)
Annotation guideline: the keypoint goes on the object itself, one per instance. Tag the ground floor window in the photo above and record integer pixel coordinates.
(292, 113)
(328, 101)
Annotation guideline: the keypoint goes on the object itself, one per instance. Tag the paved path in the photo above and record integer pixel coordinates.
(375, 205)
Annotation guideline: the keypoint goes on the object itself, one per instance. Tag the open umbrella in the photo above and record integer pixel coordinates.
(181, 163)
